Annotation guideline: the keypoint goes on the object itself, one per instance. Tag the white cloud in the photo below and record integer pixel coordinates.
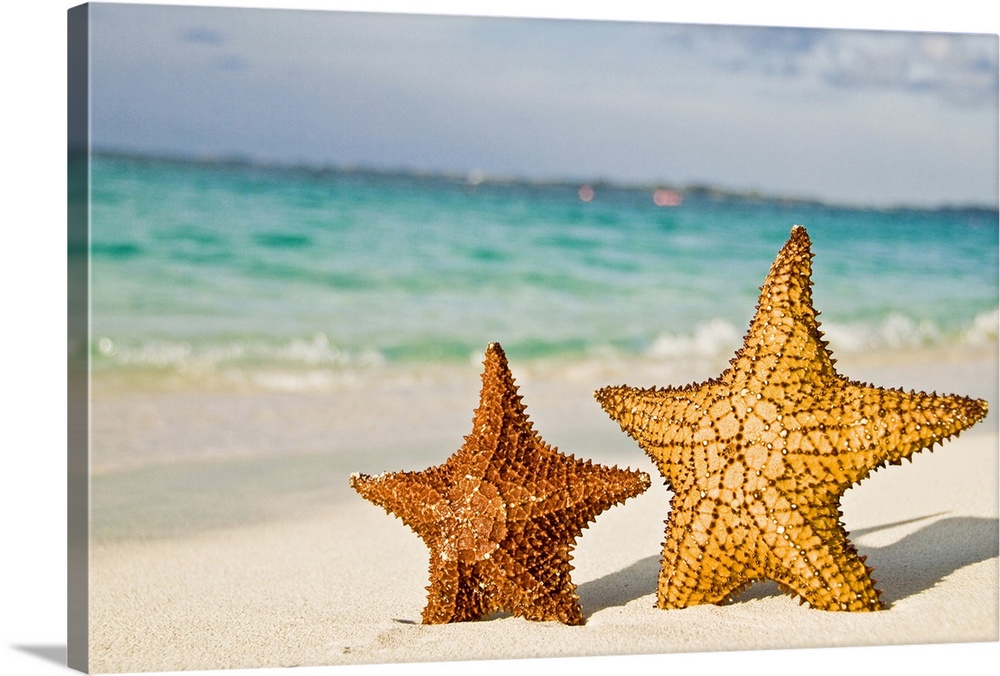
(957, 68)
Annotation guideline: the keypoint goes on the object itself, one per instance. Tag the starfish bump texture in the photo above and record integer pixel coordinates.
(501, 515)
(759, 457)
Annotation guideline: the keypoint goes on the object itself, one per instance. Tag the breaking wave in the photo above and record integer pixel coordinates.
(719, 337)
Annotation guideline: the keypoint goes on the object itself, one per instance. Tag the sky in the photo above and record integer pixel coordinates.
(848, 116)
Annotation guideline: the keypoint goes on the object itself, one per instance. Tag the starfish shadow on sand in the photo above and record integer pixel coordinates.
(620, 587)
(913, 564)
(922, 559)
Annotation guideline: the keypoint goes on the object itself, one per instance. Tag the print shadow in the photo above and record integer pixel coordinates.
(49, 653)
(904, 568)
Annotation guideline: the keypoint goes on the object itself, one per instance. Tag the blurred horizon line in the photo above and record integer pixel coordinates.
(665, 193)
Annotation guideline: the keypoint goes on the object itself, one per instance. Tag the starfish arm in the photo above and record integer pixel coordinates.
(784, 346)
(706, 554)
(458, 592)
(811, 556)
(536, 584)
(661, 420)
(417, 498)
(889, 425)
(442, 592)
(854, 429)
(577, 490)
(500, 420)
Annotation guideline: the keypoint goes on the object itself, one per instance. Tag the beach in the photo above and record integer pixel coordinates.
(238, 543)
(258, 334)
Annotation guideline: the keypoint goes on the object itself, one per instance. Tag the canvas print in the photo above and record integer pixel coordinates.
(415, 338)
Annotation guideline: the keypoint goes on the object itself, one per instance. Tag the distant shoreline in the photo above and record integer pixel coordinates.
(475, 178)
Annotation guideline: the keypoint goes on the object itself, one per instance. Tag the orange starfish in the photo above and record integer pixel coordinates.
(759, 457)
(501, 515)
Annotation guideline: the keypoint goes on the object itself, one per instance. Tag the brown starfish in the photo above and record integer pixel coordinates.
(500, 516)
(759, 457)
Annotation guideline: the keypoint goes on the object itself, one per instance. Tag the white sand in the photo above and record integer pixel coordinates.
(334, 580)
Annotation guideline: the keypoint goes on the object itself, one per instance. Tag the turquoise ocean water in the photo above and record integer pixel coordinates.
(207, 269)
